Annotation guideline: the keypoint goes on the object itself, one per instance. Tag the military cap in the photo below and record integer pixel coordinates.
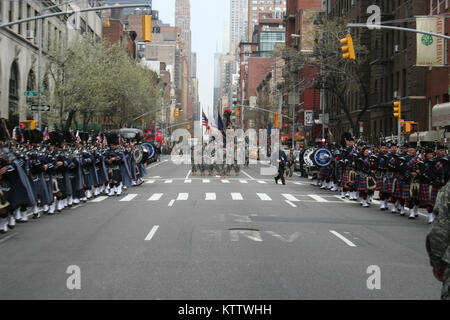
(428, 150)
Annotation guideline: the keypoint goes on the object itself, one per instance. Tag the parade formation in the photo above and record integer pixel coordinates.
(50, 172)
(404, 177)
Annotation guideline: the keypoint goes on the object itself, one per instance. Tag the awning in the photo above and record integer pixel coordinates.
(441, 115)
(425, 136)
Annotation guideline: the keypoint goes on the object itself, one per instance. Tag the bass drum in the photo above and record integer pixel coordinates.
(323, 157)
(308, 157)
(149, 152)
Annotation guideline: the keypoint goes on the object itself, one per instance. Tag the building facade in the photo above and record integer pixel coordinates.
(257, 6)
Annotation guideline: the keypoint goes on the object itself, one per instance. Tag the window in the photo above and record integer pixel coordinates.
(1, 11)
(20, 15)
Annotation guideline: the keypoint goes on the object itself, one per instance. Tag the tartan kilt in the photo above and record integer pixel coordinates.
(340, 176)
(379, 183)
(424, 194)
(345, 177)
(387, 185)
(434, 193)
(406, 190)
(398, 189)
(362, 183)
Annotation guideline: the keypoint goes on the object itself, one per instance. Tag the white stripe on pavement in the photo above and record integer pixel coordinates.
(150, 181)
(183, 196)
(188, 181)
(344, 199)
(264, 197)
(168, 181)
(188, 174)
(210, 196)
(236, 196)
(297, 183)
(225, 181)
(290, 203)
(206, 181)
(128, 197)
(151, 233)
(100, 199)
(262, 182)
(340, 236)
(248, 175)
(243, 181)
(317, 198)
(171, 203)
(290, 197)
(155, 197)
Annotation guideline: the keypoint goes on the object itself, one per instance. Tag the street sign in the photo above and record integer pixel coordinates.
(31, 93)
(35, 107)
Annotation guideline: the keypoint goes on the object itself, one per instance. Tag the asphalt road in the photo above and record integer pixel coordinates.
(180, 236)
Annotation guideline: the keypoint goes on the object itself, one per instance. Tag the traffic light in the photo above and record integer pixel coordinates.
(147, 28)
(236, 112)
(411, 127)
(276, 120)
(398, 110)
(348, 49)
(188, 127)
(176, 112)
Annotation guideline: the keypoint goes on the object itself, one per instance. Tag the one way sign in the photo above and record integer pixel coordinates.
(36, 107)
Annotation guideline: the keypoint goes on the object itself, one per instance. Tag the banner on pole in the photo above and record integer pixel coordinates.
(430, 50)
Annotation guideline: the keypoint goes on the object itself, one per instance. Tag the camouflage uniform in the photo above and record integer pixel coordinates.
(438, 240)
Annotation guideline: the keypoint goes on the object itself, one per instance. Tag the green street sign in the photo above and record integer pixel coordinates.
(31, 93)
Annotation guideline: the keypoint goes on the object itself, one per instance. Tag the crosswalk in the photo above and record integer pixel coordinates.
(233, 196)
(217, 180)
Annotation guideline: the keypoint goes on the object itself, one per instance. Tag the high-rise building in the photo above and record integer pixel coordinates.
(238, 22)
(257, 6)
(193, 65)
(183, 21)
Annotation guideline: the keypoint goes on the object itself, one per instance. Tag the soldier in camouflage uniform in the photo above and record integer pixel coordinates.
(438, 241)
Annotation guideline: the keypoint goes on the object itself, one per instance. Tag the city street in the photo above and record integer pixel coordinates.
(180, 236)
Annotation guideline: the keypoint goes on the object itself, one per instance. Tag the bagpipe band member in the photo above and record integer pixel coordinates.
(113, 159)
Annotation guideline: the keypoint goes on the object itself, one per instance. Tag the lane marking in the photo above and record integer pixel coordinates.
(210, 196)
(171, 203)
(236, 196)
(99, 199)
(340, 236)
(168, 181)
(188, 174)
(243, 181)
(317, 198)
(151, 233)
(128, 197)
(345, 199)
(155, 197)
(290, 197)
(188, 181)
(183, 196)
(262, 182)
(248, 175)
(225, 181)
(264, 197)
(290, 203)
(206, 181)
(150, 181)
(297, 183)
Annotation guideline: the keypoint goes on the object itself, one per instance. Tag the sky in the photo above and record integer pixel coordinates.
(207, 19)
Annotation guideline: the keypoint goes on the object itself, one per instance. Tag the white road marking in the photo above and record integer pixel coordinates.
(291, 204)
(171, 203)
(151, 233)
(206, 181)
(236, 196)
(156, 177)
(188, 181)
(247, 175)
(340, 236)
(155, 197)
(264, 197)
(262, 182)
(290, 197)
(157, 164)
(100, 199)
(345, 199)
(317, 198)
(128, 197)
(210, 196)
(243, 181)
(225, 181)
(188, 174)
(252, 235)
(168, 181)
(183, 196)
(150, 181)
(297, 183)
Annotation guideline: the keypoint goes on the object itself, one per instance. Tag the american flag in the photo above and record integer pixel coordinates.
(204, 119)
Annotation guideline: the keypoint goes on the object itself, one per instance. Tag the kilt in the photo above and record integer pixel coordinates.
(345, 177)
(340, 176)
(387, 185)
(398, 189)
(434, 193)
(362, 183)
(406, 190)
(379, 183)
(424, 194)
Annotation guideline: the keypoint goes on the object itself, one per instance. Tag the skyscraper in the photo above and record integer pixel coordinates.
(265, 6)
(238, 22)
(183, 21)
